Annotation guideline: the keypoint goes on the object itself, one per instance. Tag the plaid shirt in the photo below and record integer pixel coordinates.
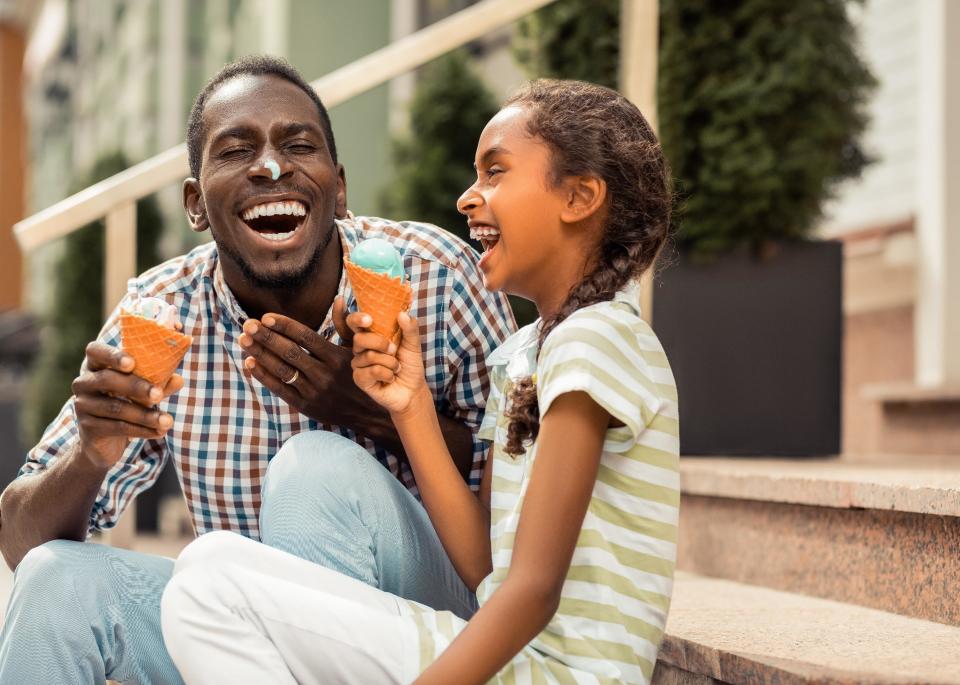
(226, 427)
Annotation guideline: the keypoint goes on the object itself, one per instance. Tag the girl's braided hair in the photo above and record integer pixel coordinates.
(595, 131)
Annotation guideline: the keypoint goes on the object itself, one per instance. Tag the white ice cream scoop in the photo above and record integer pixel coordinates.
(158, 310)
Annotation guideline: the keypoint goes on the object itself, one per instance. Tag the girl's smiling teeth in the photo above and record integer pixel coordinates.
(487, 235)
(275, 221)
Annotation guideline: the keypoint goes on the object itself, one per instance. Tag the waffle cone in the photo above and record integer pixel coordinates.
(156, 349)
(380, 296)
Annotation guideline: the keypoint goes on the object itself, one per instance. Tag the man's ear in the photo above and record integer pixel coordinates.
(584, 196)
(194, 206)
(340, 210)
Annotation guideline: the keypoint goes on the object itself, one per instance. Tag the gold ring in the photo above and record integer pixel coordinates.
(294, 377)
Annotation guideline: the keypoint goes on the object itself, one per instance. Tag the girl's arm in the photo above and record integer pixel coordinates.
(561, 484)
(462, 521)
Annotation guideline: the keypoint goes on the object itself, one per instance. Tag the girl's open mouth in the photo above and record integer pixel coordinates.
(487, 235)
(275, 221)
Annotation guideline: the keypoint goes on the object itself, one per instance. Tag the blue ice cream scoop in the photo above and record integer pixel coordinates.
(377, 254)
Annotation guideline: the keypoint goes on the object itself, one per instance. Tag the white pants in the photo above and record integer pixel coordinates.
(237, 611)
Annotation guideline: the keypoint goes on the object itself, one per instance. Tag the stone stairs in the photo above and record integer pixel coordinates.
(816, 571)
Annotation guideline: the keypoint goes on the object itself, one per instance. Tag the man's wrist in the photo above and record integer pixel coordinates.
(87, 464)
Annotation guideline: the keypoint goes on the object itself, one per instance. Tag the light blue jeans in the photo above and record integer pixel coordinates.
(82, 613)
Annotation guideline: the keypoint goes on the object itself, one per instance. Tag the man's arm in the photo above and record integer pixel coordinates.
(112, 407)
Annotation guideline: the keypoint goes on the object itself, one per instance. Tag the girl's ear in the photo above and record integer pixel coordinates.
(194, 206)
(584, 196)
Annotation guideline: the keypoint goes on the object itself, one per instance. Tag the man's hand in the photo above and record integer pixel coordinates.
(114, 406)
(311, 374)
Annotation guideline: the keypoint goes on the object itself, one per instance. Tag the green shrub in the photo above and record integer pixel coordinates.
(571, 39)
(762, 105)
(434, 164)
(76, 314)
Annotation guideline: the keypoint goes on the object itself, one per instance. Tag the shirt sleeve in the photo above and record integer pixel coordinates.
(137, 469)
(602, 357)
(478, 321)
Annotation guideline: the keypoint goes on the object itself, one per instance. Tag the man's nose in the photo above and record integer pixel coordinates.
(469, 201)
(269, 165)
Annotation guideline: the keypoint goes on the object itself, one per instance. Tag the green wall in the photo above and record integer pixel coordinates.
(324, 36)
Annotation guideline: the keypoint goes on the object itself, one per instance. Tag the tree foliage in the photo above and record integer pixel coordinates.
(434, 163)
(76, 314)
(571, 39)
(762, 105)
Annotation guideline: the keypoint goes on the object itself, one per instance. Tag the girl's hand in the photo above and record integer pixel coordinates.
(392, 376)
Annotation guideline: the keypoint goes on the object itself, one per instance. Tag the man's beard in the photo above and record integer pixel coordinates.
(287, 282)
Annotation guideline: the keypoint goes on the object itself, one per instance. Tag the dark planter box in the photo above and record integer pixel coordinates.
(756, 349)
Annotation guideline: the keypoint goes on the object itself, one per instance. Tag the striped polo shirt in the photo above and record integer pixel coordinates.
(617, 591)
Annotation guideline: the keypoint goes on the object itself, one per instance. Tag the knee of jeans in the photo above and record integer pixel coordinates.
(52, 567)
(211, 549)
(315, 458)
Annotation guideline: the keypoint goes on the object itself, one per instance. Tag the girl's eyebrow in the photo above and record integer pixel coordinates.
(491, 152)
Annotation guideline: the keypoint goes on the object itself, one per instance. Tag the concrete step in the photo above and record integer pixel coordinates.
(908, 418)
(875, 533)
(720, 631)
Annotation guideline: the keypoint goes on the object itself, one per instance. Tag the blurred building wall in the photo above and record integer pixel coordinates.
(899, 223)
(124, 75)
(889, 32)
(12, 161)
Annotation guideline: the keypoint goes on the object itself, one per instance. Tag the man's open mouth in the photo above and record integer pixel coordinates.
(276, 221)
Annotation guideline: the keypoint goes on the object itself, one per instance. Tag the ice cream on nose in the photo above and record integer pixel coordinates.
(375, 270)
(148, 334)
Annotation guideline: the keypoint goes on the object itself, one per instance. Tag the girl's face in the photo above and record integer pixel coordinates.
(517, 213)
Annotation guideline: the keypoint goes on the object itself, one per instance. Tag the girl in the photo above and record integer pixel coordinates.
(571, 544)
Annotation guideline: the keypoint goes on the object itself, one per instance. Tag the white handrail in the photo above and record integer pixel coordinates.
(336, 87)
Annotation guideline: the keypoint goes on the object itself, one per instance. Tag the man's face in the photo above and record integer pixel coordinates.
(271, 231)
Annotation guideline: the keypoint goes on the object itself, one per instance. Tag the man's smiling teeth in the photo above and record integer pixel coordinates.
(478, 232)
(277, 237)
(291, 208)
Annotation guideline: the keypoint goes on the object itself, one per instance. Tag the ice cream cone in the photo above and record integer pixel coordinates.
(380, 296)
(156, 349)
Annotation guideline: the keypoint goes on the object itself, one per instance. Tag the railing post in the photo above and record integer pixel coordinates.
(639, 37)
(120, 265)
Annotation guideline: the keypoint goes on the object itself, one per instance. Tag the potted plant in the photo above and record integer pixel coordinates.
(761, 107)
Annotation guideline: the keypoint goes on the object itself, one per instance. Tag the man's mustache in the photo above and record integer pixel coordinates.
(290, 189)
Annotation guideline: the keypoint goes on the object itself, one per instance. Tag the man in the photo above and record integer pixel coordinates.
(267, 364)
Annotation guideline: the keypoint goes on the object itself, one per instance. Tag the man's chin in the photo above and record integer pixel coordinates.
(277, 277)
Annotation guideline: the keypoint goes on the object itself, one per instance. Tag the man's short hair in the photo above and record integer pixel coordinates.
(251, 65)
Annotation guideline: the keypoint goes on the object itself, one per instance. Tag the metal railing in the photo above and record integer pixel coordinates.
(115, 198)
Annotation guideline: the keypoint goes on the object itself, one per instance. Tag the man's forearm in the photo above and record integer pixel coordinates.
(374, 423)
(54, 505)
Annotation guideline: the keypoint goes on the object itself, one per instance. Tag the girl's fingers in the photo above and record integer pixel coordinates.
(372, 341)
(358, 321)
(369, 377)
(410, 330)
(373, 358)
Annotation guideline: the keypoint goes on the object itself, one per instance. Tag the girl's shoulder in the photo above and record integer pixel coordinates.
(615, 323)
